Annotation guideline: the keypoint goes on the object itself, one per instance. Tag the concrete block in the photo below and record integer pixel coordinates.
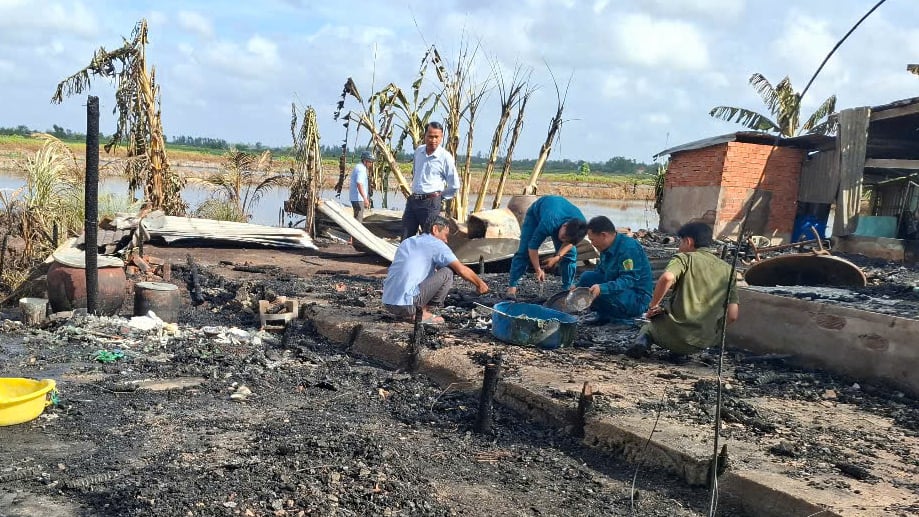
(875, 247)
(378, 342)
(769, 494)
(860, 344)
(329, 324)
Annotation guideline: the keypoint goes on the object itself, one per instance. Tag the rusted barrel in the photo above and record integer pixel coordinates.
(160, 297)
(67, 282)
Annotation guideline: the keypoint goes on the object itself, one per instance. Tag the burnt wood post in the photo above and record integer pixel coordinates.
(485, 416)
(417, 338)
(585, 403)
(91, 204)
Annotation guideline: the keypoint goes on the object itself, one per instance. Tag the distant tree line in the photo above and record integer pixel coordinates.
(615, 165)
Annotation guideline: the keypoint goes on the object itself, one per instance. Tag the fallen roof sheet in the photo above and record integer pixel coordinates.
(344, 218)
(173, 228)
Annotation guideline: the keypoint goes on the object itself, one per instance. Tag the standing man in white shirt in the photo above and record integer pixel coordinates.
(434, 179)
(360, 188)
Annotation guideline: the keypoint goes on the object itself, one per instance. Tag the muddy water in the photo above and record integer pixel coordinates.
(624, 213)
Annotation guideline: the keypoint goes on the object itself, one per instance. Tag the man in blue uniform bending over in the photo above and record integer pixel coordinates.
(621, 285)
(555, 217)
(421, 274)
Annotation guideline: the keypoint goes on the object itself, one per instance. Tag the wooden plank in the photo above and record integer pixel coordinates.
(853, 142)
(879, 163)
(911, 109)
(344, 218)
(819, 179)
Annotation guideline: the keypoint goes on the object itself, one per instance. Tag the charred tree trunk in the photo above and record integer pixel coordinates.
(515, 134)
(507, 103)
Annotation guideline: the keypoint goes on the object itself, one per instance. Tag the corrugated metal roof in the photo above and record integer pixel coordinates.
(755, 137)
(896, 104)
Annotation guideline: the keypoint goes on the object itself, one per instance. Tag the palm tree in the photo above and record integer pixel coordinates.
(784, 105)
(239, 187)
(913, 69)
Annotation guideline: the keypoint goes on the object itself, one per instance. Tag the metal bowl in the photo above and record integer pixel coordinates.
(573, 301)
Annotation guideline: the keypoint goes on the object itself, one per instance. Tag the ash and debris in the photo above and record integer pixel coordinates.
(284, 425)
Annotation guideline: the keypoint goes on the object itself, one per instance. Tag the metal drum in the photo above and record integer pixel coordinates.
(67, 282)
(160, 297)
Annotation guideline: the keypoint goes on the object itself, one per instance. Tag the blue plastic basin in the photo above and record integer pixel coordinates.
(528, 324)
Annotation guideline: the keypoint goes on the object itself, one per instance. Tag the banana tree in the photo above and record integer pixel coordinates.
(137, 103)
(784, 105)
(555, 126)
(365, 117)
(460, 99)
(508, 99)
(239, 186)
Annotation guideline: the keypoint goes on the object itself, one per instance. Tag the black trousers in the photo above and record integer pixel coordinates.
(419, 213)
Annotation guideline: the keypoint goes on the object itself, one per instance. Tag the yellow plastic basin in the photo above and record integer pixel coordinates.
(22, 400)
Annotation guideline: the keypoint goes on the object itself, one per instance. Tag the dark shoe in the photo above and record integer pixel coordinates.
(641, 347)
(678, 359)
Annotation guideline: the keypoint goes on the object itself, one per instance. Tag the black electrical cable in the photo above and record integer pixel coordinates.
(713, 502)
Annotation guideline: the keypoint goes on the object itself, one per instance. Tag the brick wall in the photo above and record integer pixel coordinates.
(748, 166)
(737, 168)
(697, 168)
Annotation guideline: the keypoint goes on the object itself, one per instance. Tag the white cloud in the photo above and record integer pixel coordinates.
(196, 23)
(660, 119)
(25, 22)
(669, 43)
(157, 18)
(801, 47)
(615, 86)
(7, 69)
(718, 10)
(257, 59)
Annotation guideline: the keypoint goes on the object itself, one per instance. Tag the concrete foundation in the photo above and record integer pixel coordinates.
(875, 247)
(878, 345)
(860, 344)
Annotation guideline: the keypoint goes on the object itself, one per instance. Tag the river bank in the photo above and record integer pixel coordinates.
(200, 165)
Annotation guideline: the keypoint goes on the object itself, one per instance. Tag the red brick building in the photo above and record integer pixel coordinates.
(713, 180)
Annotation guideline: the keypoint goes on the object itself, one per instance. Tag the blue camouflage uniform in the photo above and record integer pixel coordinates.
(624, 276)
(543, 219)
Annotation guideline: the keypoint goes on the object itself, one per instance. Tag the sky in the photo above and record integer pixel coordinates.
(643, 73)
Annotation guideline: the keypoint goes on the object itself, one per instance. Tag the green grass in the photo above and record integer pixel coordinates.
(16, 140)
(332, 164)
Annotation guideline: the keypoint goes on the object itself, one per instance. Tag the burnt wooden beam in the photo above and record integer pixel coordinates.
(884, 163)
(585, 404)
(902, 111)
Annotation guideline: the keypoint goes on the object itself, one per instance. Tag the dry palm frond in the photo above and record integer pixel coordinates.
(509, 155)
(552, 135)
(307, 170)
(509, 97)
